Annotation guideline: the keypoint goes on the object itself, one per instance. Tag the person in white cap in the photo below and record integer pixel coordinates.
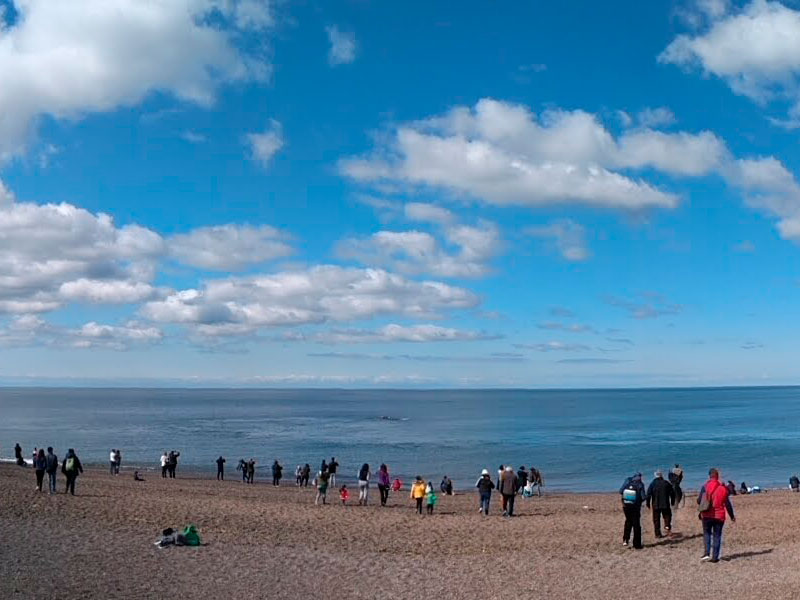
(661, 497)
(485, 486)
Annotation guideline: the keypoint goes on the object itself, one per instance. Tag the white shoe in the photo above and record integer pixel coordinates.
(705, 558)
(624, 543)
(480, 509)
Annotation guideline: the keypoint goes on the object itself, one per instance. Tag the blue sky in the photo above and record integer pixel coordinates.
(356, 193)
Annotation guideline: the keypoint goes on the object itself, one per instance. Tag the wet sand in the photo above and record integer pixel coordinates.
(265, 542)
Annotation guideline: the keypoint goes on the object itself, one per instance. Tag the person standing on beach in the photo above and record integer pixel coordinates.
(251, 470)
(522, 478)
(537, 480)
(500, 472)
(52, 468)
(323, 467)
(112, 463)
(164, 465)
(662, 498)
(485, 486)
(298, 474)
(508, 490)
(277, 473)
(430, 498)
(332, 467)
(384, 481)
(714, 499)
(676, 479)
(117, 461)
(305, 475)
(446, 486)
(220, 469)
(322, 486)
(794, 483)
(632, 492)
(363, 484)
(40, 465)
(172, 463)
(242, 466)
(18, 455)
(71, 468)
(418, 490)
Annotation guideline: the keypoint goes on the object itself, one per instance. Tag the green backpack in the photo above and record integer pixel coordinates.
(191, 537)
(71, 464)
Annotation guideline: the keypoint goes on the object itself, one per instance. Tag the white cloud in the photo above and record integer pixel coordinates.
(99, 291)
(265, 145)
(343, 46)
(655, 117)
(399, 333)
(571, 327)
(756, 50)
(504, 154)
(567, 236)
(229, 247)
(428, 213)
(69, 58)
(6, 195)
(648, 306)
(30, 330)
(193, 137)
(236, 306)
(554, 347)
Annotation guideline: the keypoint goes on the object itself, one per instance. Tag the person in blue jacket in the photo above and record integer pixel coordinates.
(633, 495)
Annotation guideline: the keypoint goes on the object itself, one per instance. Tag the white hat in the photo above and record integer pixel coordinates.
(485, 472)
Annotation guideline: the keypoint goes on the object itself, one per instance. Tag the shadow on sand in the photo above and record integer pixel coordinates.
(748, 554)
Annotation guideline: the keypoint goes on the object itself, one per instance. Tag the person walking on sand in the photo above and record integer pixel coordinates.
(18, 455)
(418, 490)
(220, 469)
(277, 473)
(117, 461)
(536, 480)
(661, 496)
(713, 503)
(632, 492)
(52, 468)
(363, 484)
(71, 468)
(794, 483)
(485, 486)
(298, 474)
(112, 461)
(676, 479)
(40, 465)
(384, 482)
(333, 466)
(322, 486)
(508, 490)
(164, 465)
(500, 472)
(305, 475)
(430, 498)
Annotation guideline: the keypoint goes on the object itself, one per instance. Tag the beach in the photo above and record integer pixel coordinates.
(262, 542)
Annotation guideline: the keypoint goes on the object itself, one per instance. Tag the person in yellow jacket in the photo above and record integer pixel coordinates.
(418, 490)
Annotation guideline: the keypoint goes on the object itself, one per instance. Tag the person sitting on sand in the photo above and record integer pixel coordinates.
(397, 485)
(137, 477)
(322, 486)
(536, 480)
(305, 475)
(794, 483)
(220, 469)
(731, 488)
(277, 473)
(18, 455)
(485, 486)
(446, 486)
(71, 468)
(418, 490)
(744, 489)
(632, 492)
(363, 484)
(430, 498)
(344, 494)
(384, 482)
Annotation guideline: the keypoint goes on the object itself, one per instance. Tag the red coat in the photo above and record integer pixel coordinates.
(719, 499)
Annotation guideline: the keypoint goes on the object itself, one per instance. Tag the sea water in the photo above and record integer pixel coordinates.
(582, 440)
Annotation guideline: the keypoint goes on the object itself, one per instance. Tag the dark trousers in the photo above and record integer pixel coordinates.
(657, 514)
(276, 480)
(172, 471)
(419, 505)
(220, 474)
(112, 467)
(508, 504)
(430, 509)
(39, 479)
(52, 478)
(384, 492)
(164, 471)
(712, 531)
(71, 477)
(633, 521)
(304, 480)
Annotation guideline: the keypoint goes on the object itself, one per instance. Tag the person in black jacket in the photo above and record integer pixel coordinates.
(71, 468)
(632, 492)
(485, 486)
(661, 497)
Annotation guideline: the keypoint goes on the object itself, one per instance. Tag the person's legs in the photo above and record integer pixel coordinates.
(39, 479)
(504, 503)
(657, 522)
(111, 469)
(333, 479)
(70, 484)
(52, 478)
(419, 506)
(707, 526)
(637, 528)
(511, 505)
(164, 472)
(717, 532)
(626, 532)
(430, 509)
(485, 498)
(667, 520)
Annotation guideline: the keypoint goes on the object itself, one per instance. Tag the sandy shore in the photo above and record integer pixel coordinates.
(265, 542)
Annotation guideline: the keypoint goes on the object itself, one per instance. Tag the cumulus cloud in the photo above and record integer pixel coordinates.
(502, 153)
(238, 306)
(428, 213)
(343, 46)
(554, 346)
(755, 50)
(229, 247)
(29, 330)
(400, 333)
(69, 58)
(263, 146)
(655, 117)
(567, 236)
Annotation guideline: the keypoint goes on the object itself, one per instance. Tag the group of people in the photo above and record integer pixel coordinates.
(169, 462)
(47, 464)
(114, 461)
(664, 496)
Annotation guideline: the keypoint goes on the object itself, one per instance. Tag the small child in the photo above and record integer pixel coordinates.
(322, 487)
(344, 494)
(418, 493)
(430, 496)
(137, 477)
(397, 485)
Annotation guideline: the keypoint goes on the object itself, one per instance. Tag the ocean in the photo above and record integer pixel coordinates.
(582, 440)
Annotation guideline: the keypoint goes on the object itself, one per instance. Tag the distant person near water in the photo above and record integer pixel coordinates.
(675, 478)
(305, 475)
(298, 474)
(731, 488)
(713, 504)
(397, 484)
(632, 492)
(536, 480)
(137, 477)
(485, 486)
(242, 466)
(333, 466)
(344, 495)
(251, 470)
(52, 468)
(322, 486)
(172, 463)
(363, 484)
(220, 469)
(384, 482)
(661, 497)
(522, 479)
(71, 468)
(744, 490)
(430, 498)
(18, 455)
(277, 473)
(164, 465)
(112, 461)
(418, 489)
(40, 465)
(446, 486)
(508, 490)
(794, 483)
(117, 461)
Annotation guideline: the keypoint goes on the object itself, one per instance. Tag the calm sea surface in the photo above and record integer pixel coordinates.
(582, 440)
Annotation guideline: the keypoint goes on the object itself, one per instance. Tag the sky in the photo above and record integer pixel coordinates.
(419, 194)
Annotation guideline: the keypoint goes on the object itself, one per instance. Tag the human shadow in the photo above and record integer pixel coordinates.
(676, 539)
(747, 554)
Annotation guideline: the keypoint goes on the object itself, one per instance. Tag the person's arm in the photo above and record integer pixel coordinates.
(80, 466)
(701, 494)
(649, 494)
(672, 496)
(729, 508)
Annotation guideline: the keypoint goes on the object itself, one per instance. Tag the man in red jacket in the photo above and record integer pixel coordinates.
(714, 518)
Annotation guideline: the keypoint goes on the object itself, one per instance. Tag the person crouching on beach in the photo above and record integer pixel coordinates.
(344, 494)
(322, 486)
(397, 485)
(632, 492)
(418, 490)
(715, 500)
(430, 498)
(485, 486)
(71, 468)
